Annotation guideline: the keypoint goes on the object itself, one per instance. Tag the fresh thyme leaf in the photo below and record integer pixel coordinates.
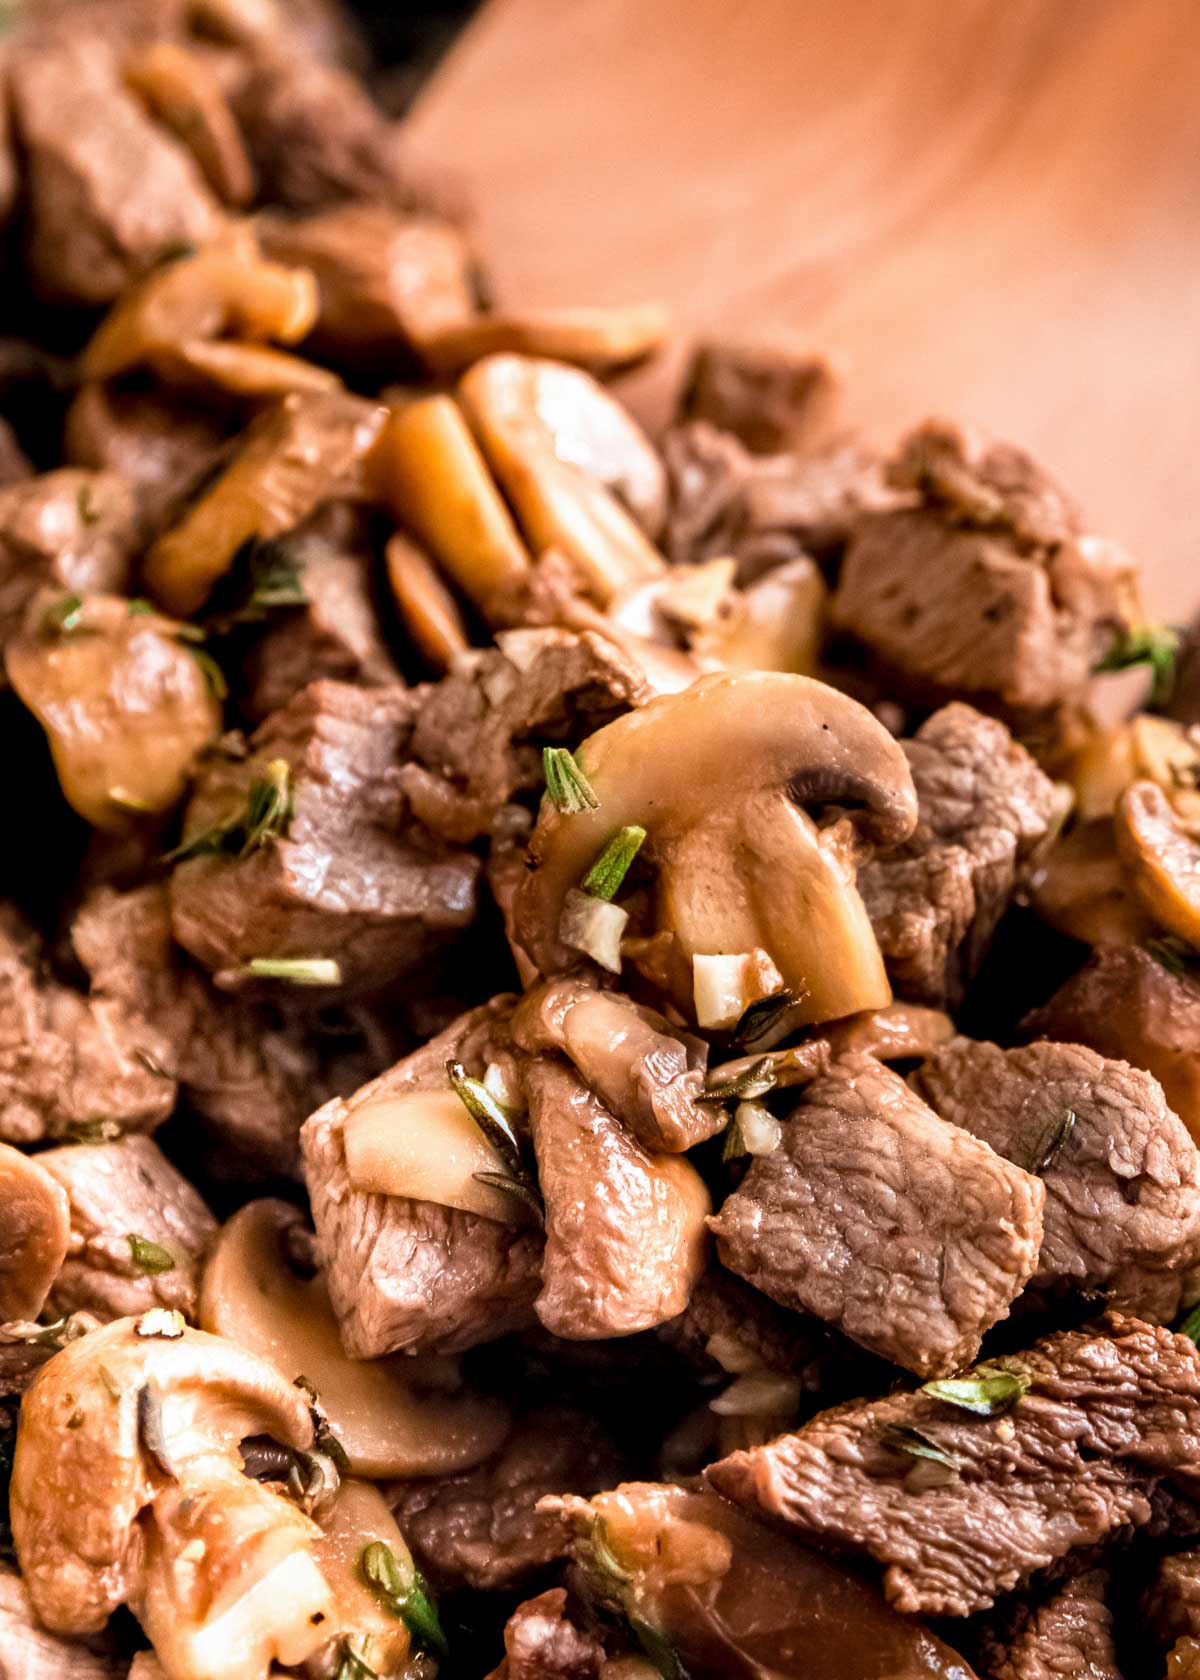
(298, 971)
(753, 1081)
(405, 1593)
(489, 1115)
(150, 1428)
(1155, 645)
(733, 1144)
(569, 789)
(63, 617)
(92, 1131)
(656, 1648)
(521, 1188)
(1189, 1325)
(604, 878)
(901, 1438)
(761, 1017)
(988, 1391)
(1052, 1143)
(150, 1257)
(1173, 954)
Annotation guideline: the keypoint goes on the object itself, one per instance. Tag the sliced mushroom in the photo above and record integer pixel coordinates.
(388, 1424)
(1162, 858)
(35, 1226)
(776, 624)
(306, 450)
(1083, 889)
(359, 1517)
(550, 437)
(429, 471)
(183, 92)
(127, 1488)
(1142, 748)
(125, 704)
(596, 338)
(722, 778)
(244, 370)
(429, 611)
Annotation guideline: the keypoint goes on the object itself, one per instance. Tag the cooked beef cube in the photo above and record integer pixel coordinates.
(1172, 1608)
(1122, 1176)
(123, 1197)
(479, 733)
(772, 397)
(25, 1348)
(625, 1233)
(334, 635)
(15, 465)
(1109, 1412)
(541, 1642)
(347, 881)
(28, 1652)
(406, 1274)
(1123, 1002)
(935, 901)
(1066, 1633)
(480, 1529)
(316, 138)
(67, 1059)
(646, 1072)
(109, 190)
(987, 588)
(878, 1217)
(67, 529)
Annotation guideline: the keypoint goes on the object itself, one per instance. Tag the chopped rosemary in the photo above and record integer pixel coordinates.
(63, 617)
(753, 1081)
(1155, 645)
(521, 1188)
(150, 1428)
(1172, 953)
(1189, 1325)
(733, 1143)
(150, 1257)
(139, 607)
(1053, 1142)
(602, 1555)
(489, 1115)
(656, 1648)
(989, 1391)
(298, 971)
(604, 878)
(762, 1017)
(901, 1438)
(569, 789)
(352, 1665)
(404, 1593)
(269, 805)
(92, 1131)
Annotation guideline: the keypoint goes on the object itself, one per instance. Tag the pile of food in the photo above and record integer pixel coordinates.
(599, 1032)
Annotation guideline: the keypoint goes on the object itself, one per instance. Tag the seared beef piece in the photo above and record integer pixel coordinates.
(763, 510)
(480, 1529)
(109, 191)
(772, 397)
(158, 445)
(334, 635)
(120, 1191)
(347, 880)
(987, 588)
(1109, 1413)
(1066, 1633)
(66, 1058)
(1122, 1177)
(646, 1072)
(934, 902)
(1171, 1606)
(624, 1228)
(25, 1348)
(1124, 1002)
(15, 465)
(28, 1652)
(316, 138)
(883, 1220)
(479, 733)
(541, 1642)
(68, 529)
(406, 1274)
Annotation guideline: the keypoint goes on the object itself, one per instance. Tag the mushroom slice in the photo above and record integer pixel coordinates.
(550, 435)
(1083, 890)
(429, 471)
(429, 611)
(35, 1226)
(183, 92)
(306, 450)
(1162, 858)
(127, 1454)
(720, 777)
(596, 338)
(776, 624)
(244, 370)
(125, 704)
(359, 1518)
(1146, 748)
(386, 1422)
(225, 291)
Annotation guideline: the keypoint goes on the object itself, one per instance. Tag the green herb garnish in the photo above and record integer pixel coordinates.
(521, 1188)
(298, 971)
(139, 607)
(63, 617)
(1173, 954)
(495, 1122)
(269, 805)
(989, 1391)
(1155, 645)
(901, 1438)
(1189, 1325)
(214, 676)
(92, 1131)
(353, 1665)
(604, 878)
(753, 1081)
(569, 790)
(403, 1592)
(148, 1256)
(1052, 1143)
(263, 577)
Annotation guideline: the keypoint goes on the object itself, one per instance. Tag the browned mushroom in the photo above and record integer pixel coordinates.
(35, 1225)
(1143, 748)
(1162, 859)
(182, 91)
(1082, 888)
(387, 1422)
(722, 777)
(125, 704)
(596, 338)
(429, 611)
(364, 1622)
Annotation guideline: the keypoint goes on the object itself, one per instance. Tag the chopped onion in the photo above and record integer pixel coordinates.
(758, 1394)
(424, 1144)
(724, 987)
(760, 1130)
(501, 1081)
(594, 926)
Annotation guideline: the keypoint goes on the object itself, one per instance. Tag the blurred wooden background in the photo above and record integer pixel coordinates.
(985, 207)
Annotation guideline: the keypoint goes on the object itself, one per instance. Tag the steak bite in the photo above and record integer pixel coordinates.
(69, 529)
(1122, 1176)
(773, 397)
(1066, 1633)
(342, 878)
(959, 1508)
(543, 1642)
(1171, 1605)
(987, 587)
(480, 1529)
(138, 1230)
(405, 1273)
(935, 900)
(880, 1218)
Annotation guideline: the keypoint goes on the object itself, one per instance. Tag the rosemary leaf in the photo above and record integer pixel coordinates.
(489, 1115)
(150, 1257)
(63, 617)
(762, 1017)
(1172, 953)
(1052, 1144)
(605, 877)
(92, 1131)
(405, 1593)
(753, 1081)
(901, 1438)
(521, 1188)
(988, 1390)
(569, 789)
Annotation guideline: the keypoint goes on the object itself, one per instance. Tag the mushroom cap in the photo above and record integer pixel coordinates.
(1161, 857)
(35, 1227)
(81, 1472)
